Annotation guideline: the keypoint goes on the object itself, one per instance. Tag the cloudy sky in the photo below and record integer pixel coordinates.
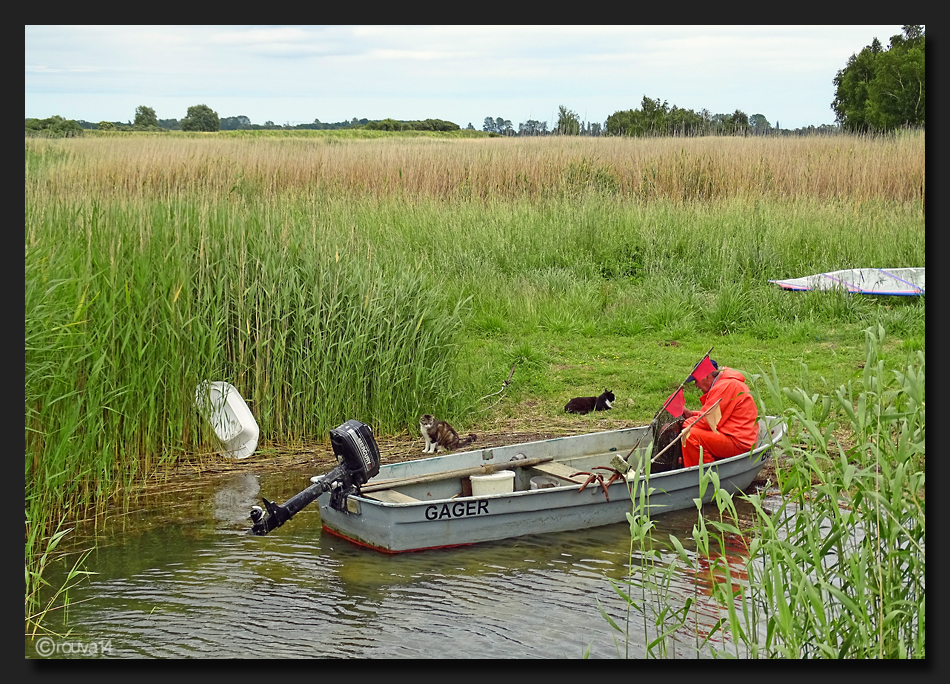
(296, 74)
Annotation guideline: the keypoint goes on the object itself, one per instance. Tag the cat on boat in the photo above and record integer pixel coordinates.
(588, 404)
(438, 433)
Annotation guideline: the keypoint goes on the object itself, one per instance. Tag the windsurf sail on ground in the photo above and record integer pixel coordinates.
(875, 281)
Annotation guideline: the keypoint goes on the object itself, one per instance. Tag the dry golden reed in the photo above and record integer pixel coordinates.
(841, 167)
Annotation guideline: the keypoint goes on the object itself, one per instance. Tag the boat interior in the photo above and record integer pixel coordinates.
(562, 472)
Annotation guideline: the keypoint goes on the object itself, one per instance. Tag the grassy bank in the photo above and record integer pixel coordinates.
(381, 279)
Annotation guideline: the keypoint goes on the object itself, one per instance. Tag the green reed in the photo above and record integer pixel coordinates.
(41, 598)
(647, 571)
(129, 307)
(837, 570)
(319, 308)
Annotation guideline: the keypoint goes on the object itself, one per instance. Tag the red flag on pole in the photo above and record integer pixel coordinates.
(675, 403)
(703, 368)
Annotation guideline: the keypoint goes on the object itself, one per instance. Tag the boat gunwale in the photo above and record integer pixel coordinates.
(760, 454)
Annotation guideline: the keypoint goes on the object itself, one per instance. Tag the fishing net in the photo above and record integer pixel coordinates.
(666, 429)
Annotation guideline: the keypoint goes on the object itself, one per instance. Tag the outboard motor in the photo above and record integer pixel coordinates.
(358, 457)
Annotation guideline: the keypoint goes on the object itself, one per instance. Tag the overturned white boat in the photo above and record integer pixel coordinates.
(873, 281)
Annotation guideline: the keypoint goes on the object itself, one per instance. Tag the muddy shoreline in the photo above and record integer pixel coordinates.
(317, 457)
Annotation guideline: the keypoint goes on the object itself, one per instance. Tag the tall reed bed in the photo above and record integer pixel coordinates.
(129, 307)
(838, 569)
(849, 169)
(599, 264)
(319, 307)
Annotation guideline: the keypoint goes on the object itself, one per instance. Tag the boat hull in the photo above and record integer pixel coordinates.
(436, 515)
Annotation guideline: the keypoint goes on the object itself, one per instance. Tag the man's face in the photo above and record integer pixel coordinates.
(705, 383)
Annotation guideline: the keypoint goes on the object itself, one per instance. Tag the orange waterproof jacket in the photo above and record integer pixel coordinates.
(739, 419)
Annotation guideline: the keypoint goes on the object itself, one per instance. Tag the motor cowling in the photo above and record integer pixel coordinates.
(356, 449)
(358, 459)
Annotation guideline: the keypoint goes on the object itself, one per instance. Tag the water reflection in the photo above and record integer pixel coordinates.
(720, 573)
(234, 498)
(185, 580)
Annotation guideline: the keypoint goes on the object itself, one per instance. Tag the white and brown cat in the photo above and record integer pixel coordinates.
(437, 433)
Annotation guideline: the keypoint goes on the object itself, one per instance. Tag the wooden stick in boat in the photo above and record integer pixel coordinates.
(485, 469)
(627, 457)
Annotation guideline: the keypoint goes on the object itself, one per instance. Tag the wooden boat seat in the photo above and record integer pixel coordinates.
(560, 471)
(391, 496)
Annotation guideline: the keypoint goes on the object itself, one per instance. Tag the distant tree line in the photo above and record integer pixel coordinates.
(568, 123)
(658, 118)
(653, 118)
(203, 118)
(877, 90)
(243, 123)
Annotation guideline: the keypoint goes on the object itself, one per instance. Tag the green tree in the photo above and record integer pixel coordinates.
(238, 123)
(106, 126)
(654, 115)
(503, 126)
(145, 116)
(851, 90)
(385, 125)
(883, 89)
(567, 121)
(759, 123)
(55, 126)
(201, 118)
(896, 94)
(740, 121)
(532, 127)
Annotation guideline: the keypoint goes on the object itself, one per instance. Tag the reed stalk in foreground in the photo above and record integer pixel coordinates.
(39, 604)
(837, 571)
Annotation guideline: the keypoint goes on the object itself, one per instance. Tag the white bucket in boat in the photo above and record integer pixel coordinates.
(543, 482)
(502, 482)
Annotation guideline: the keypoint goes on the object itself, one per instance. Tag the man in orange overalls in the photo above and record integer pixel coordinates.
(737, 429)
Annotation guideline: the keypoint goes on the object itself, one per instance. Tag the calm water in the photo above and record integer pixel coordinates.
(179, 578)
